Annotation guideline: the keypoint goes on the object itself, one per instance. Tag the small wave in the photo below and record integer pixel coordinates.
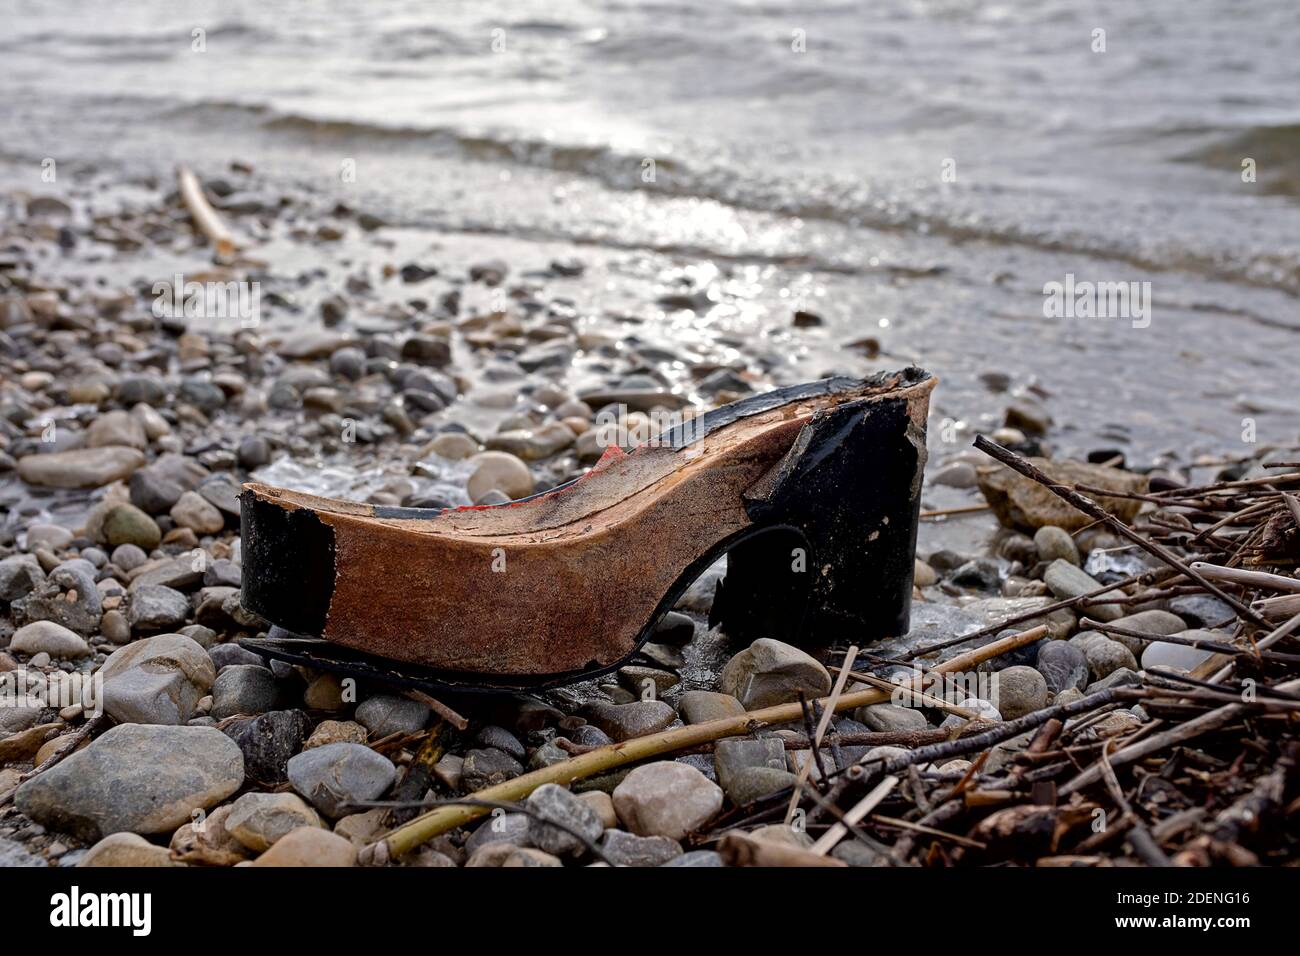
(1274, 148)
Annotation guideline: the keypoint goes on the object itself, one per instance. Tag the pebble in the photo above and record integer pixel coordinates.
(502, 739)
(258, 820)
(324, 692)
(138, 778)
(666, 798)
(363, 828)
(157, 607)
(157, 680)
(128, 557)
(499, 471)
(1123, 677)
(1104, 655)
(334, 775)
(127, 849)
(1153, 622)
(20, 574)
(528, 856)
(269, 741)
(674, 629)
(891, 718)
(635, 719)
(253, 452)
(701, 706)
(732, 756)
(1181, 657)
(641, 680)
(923, 576)
(49, 638)
(244, 689)
(959, 474)
(223, 655)
(117, 427)
(81, 467)
(501, 827)
(1055, 544)
(603, 804)
(770, 672)
(384, 714)
(550, 804)
(694, 858)
(1063, 666)
(982, 709)
(309, 846)
(983, 574)
(334, 732)
(67, 596)
(487, 766)
(1201, 610)
(210, 843)
(52, 536)
(1019, 690)
(1065, 580)
(533, 444)
(626, 849)
(454, 445)
(195, 512)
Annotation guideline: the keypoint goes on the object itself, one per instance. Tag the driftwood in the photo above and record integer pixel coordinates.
(205, 217)
(739, 849)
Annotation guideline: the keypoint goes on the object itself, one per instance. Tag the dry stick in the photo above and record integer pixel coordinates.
(442, 819)
(1249, 579)
(917, 696)
(1225, 485)
(896, 823)
(1140, 837)
(1262, 644)
(999, 732)
(523, 808)
(1203, 724)
(945, 512)
(1093, 510)
(205, 217)
(840, 830)
(740, 849)
(439, 708)
(1219, 647)
(822, 724)
(1021, 618)
(68, 746)
(825, 805)
(1293, 503)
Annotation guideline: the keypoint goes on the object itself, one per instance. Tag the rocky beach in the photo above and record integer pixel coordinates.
(451, 256)
(369, 361)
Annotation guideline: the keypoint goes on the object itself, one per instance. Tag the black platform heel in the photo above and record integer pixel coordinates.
(835, 557)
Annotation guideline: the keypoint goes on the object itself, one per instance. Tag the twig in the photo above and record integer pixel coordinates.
(1094, 510)
(1175, 735)
(205, 217)
(840, 830)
